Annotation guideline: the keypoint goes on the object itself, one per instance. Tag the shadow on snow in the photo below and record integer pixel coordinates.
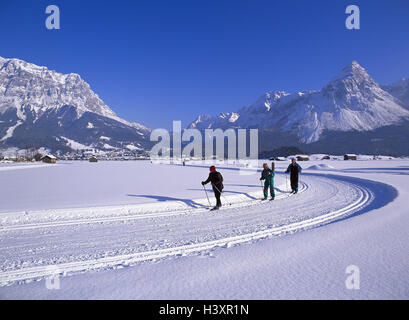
(381, 193)
(188, 202)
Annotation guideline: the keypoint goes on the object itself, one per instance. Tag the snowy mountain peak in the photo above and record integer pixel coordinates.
(276, 95)
(354, 68)
(199, 121)
(35, 98)
(37, 87)
(26, 84)
(352, 75)
(352, 101)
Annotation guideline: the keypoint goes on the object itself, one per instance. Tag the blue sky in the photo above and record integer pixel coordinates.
(161, 60)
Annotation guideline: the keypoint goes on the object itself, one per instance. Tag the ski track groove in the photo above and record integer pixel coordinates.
(165, 213)
(258, 211)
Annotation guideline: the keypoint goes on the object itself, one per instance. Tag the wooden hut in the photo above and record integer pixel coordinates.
(49, 159)
(350, 157)
(93, 159)
(302, 158)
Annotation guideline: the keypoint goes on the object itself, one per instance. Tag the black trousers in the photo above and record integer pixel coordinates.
(217, 194)
(294, 182)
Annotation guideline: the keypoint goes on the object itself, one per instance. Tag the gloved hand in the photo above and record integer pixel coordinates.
(203, 183)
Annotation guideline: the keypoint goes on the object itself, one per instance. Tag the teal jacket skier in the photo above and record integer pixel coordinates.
(268, 176)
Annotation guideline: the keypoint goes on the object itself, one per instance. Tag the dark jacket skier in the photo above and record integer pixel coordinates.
(268, 176)
(216, 179)
(294, 169)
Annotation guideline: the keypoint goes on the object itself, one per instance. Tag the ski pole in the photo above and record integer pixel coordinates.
(261, 184)
(299, 178)
(221, 194)
(207, 196)
(262, 187)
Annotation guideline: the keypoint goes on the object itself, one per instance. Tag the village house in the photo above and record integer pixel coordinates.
(49, 159)
(350, 157)
(302, 158)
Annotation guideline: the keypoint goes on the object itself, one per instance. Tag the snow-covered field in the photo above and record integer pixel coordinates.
(143, 231)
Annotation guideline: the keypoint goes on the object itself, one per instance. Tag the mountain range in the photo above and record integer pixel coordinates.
(352, 113)
(43, 108)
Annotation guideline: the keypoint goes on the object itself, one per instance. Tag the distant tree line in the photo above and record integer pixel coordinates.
(28, 154)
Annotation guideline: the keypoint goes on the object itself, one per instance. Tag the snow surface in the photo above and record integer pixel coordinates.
(132, 147)
(142, 231)
(74, 145)
(10, 131)
(321, 167)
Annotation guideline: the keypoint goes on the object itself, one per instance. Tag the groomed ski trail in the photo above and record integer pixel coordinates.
(25, 220)
(68, 247)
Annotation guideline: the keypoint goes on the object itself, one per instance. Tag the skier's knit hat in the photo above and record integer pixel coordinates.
(212, 168)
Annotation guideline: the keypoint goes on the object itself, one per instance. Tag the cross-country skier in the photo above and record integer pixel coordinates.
(216, 179)
(268, 176)
(294, 169)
